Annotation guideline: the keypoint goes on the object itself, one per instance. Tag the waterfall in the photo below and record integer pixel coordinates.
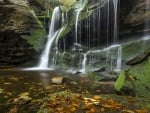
(108, 22)
(147, 20)
(119, 59)
(115, 3)
(79, 48)
(146, 24)
(83, 70)
(51, 37)
(76, 24)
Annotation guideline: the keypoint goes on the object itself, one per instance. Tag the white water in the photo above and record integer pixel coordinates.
(108, 22)
(147, 9)
(119, 60)
(83, 69)
(113, 60)
(147, 23)
(76, 24)
(51, 37)
(115, 3)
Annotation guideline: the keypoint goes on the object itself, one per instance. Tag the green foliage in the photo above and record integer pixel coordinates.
(91, 75)
(37, 20)
(81, 4)
(37, 35)
(142, 73)
(130, 50)
(120, 81)
(37, 39)
(67, 4)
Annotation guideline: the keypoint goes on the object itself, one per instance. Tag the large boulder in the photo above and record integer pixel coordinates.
(141, 70)
(21, 33)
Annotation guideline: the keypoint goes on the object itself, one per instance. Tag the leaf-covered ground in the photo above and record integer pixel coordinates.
(33, 91)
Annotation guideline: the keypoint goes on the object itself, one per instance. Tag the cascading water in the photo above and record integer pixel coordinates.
(108, 22)
(96, 16)
(115, 3)
(119, 60)
(51, 37)
(146, 24)
(76, 24)
(52, 52)
(83, 70)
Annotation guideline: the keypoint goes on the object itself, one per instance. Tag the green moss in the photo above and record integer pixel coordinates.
(37, 39)
(37, 35)
(120, 81)
(142, 73)
(64, 60)
(134, 48)
(130, 50)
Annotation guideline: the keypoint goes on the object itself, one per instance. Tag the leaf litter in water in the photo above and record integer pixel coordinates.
(68, 102)
(1, 90)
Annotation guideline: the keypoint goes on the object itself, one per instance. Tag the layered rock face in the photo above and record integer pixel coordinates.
(139, 16)
(17, 25)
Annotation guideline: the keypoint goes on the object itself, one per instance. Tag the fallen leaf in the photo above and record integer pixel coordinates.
(127, 111)
(96, 97)
(7, 83)
(142, 111)
(1, 90)
(14, 79)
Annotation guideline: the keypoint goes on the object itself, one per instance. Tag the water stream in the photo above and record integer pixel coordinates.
(111, 54)
(76, 24)
(115, 3)
(146, 23)
(44, 61)
(83, 68)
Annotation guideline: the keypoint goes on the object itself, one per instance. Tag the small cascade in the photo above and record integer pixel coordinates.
(83, 69)
(119, 60)
(44, 61)
(113, 56)
(115, 3)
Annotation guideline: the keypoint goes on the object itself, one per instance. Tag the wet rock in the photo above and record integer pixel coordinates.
(57, 80)
(139, 14)
(102, 69)
(140, 58)
(18, 27)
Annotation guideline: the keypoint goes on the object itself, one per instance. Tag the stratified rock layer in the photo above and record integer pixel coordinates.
(17, 24)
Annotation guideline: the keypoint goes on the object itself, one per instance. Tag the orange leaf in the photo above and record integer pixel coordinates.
(142, 111)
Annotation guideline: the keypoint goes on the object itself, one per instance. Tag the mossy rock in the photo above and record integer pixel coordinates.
(37, 37)
(142, 74)
(140, 71)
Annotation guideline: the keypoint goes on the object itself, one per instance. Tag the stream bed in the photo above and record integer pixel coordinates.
(34, 92)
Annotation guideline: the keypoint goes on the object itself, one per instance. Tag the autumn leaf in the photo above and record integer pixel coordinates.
(142, 111)
(127, 111)
(1, 90)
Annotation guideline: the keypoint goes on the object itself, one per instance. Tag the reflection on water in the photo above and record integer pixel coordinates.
(44, 78)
